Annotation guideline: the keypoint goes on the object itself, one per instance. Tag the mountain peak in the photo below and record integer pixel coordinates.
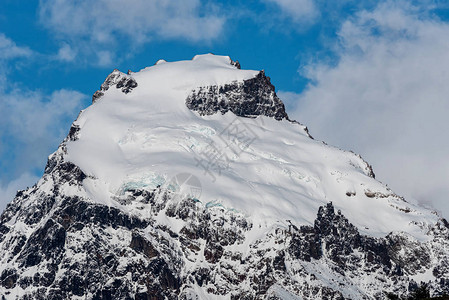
(208, 118)
(187, 180)
(255, 93)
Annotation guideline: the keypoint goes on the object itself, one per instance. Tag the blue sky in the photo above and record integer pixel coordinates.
(367, 76)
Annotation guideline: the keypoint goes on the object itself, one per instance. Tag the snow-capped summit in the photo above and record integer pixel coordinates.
(147, 136)
(188, 179)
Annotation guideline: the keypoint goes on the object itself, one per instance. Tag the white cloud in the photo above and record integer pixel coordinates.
(32, 124)
(299, 11)
(8, 191)
(30, 116)
(93, 26)
(104, 58)
(66, 53)
(388, 98)
(9, 49)
(9, 52)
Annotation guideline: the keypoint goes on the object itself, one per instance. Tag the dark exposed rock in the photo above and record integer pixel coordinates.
(126, 84)
(113, 271)
(73, 133)
(45, 243)
(306, 245)
(409, 255)
(350, 193)
(331, 231)
(44, 207)
(78, 211)
(141, 245)
(64, 172)
(279, 262)
(253, 97)
(332, 237)
(122, 81)
(213, 252)
(8, 278)
(236, 64)
(19, 243)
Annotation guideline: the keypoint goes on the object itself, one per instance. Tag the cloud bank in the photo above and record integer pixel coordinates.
(387, 98)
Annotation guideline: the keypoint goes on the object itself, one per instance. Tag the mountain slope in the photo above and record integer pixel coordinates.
(188, 179)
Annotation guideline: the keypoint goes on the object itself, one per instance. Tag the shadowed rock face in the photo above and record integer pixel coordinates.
(85, 249)
(253, 97)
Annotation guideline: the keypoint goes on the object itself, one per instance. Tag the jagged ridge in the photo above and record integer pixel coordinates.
(120, 80)
(250, 98)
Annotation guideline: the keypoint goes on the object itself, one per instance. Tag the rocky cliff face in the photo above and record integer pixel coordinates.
(68, 247)
(250, 98)
(60, 240)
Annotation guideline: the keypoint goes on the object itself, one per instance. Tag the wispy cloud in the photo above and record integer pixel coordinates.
(32, 125)
(299, 11)
(92, 26)
(9, 49)
(387, 98)
(10, 52)
(9, 190)
(66, 53)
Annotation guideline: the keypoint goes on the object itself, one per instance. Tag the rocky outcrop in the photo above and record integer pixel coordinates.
(250, 98)
(120, 80)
